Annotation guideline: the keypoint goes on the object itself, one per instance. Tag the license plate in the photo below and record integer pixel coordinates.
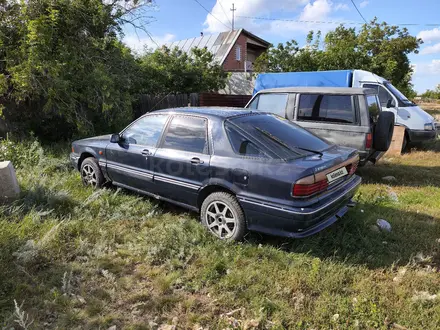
(339, 173)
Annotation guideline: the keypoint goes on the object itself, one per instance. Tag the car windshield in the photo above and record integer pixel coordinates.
(285, 139)
(402, 98)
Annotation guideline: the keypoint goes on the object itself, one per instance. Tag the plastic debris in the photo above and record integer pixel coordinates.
(383, 224)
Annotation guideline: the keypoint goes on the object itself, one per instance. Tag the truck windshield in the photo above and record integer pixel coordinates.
(402, 98)
(284, 138)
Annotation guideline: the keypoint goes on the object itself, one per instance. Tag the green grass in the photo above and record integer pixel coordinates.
(78, 259)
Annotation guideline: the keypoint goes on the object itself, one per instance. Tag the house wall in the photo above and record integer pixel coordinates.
(230, 63)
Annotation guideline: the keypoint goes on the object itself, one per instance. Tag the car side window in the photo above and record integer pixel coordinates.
(241, 145)
(187, 134)
(326, 108)
(383, 94)
(275, 103)
(146, 131)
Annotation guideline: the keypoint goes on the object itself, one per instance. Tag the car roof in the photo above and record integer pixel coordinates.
(212, 112)
(320, 90)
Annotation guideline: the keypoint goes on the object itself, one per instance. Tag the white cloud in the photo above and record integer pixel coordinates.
(434, 49)
(427, 68)
(308, 10)
(139, 43)
(364, 4)
(429, 35)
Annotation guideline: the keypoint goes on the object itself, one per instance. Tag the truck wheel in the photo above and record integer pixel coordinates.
(223, 216)
(91, 174)
(383, 132)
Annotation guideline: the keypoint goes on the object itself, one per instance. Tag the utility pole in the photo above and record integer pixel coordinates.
(233, 9)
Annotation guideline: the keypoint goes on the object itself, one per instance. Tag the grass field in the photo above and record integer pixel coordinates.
(72, 258)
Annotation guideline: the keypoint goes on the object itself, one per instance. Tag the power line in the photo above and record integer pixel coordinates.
(360, 14)
(211, 13)
(224, 12)
(331, 22)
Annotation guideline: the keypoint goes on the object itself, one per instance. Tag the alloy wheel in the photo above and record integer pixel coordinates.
(220, 220)
(89, 176)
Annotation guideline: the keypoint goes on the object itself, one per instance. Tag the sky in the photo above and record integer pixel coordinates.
(182, 19)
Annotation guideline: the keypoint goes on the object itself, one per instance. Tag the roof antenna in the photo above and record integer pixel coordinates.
(233, 9)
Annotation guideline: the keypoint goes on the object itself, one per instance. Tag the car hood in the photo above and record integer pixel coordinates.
(414, 117)
(102, 139)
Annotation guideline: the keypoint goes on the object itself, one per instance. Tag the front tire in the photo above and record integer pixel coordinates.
(91, 174)
(223, 216)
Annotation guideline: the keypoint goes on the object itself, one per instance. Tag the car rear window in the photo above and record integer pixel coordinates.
(326, 108)
(279, 135)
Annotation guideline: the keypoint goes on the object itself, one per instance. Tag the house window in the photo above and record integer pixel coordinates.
(238, 53)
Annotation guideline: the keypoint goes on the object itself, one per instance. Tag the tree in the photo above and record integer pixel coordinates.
(174, 71)
(376, 47)
(432, 94)
(64, 66)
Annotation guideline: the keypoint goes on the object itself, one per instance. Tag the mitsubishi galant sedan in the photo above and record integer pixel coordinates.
(241, 170)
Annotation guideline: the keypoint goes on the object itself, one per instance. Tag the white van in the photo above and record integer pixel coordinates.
(420, 126)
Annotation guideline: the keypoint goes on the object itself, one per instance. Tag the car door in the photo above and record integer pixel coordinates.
(333, 117)
(181, 163)
(129, 162)
(384, 97)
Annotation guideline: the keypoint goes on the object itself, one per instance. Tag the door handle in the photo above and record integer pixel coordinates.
(146, 153)
(196, 161)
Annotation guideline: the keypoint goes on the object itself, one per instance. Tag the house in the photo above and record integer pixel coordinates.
(235, 50)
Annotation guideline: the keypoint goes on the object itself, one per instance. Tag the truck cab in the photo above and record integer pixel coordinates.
(344, 116)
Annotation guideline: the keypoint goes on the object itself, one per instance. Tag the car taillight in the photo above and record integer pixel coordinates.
(352, 168)
(369, 141)
(304, 190)
(73, 150)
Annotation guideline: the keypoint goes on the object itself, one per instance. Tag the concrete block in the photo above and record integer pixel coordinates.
(9, 188)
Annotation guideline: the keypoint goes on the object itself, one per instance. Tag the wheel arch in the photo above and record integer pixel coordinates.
(84, 155)
(212, 188)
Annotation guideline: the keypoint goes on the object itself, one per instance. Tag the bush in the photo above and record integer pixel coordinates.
(21, 154)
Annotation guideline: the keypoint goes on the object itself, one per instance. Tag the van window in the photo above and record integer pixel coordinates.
(326, 108)
(275, 103)
(383, 94)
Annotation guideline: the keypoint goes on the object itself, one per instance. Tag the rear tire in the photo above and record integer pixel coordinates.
(91, 174)
(223, 216)
(383, 132)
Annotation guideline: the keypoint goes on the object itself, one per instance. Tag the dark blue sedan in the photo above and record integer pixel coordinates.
(242, 170)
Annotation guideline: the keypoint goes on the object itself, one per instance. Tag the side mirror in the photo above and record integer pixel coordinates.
(390, 104)
(115, 138)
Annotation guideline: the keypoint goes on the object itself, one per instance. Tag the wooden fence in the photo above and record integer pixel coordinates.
(148, 103)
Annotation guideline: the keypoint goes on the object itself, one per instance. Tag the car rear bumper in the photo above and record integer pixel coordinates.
(299, 222)
(420, 136)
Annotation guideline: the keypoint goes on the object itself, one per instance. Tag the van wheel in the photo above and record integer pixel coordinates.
(223, 216)
(91, 174)
(383, 132)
